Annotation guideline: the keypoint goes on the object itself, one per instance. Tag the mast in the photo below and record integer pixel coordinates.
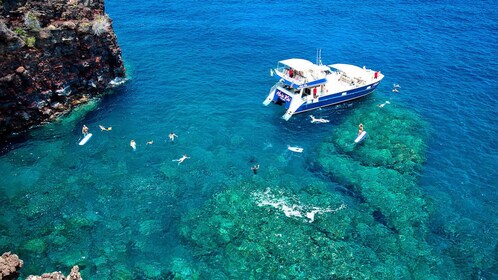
(319, 56)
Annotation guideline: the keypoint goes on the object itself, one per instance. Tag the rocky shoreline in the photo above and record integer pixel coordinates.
(54, 56)
(10, 264)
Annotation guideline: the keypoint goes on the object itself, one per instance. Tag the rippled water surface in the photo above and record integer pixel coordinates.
(424, 182)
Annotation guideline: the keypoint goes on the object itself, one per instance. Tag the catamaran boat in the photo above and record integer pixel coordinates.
(303, 85)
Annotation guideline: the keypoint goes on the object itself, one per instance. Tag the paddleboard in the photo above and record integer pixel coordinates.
(295, 149)
(85, 139)
(361, 137)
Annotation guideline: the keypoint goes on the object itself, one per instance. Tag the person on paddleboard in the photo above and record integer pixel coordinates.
(84, 130)
(360, 128)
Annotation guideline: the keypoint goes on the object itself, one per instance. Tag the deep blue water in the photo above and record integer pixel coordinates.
(202, 70)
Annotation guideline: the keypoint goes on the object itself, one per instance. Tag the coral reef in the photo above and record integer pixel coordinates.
(9, 266)
(55, 55)
(262, 230)
(246, 232)
(383, 169)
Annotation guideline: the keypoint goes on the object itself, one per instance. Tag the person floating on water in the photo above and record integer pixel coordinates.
(84, 130)
(396, 87)
(384, 104)
(360, 128)
(133, 145)
(255, 169)
(315, 120)
(172, 136)
(180, 160)
(103, 128)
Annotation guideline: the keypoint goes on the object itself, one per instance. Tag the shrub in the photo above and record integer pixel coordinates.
(101, 25)
(30, 41)
(20, 32)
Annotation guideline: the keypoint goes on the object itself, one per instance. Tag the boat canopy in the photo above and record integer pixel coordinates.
(298, 64)
(351, 70)
(304, 65)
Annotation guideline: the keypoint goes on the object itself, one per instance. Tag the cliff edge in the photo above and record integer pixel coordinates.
(54, 55)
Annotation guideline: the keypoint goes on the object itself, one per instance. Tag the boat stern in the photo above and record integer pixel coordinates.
(281, 96)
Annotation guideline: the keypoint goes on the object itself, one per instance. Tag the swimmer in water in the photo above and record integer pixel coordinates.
(102, 128)
(255, 169)
(315, 120)
(384, 104)
(172, 136)
(150, 142)
(396, 87)
(133, 145)
(180, 160)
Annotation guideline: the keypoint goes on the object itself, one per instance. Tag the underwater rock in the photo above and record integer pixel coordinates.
(149, 270)
(182, 269)
(246, 232)
(384, 169)
(121, 272)
(35, 246)
(70, 258)
(149, 227)
(10, 264)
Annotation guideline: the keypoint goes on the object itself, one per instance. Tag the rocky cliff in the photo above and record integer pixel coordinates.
(54, 55)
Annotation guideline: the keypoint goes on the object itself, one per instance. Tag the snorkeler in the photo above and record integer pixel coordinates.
(180, 160)
(396, 87)
(255, 169)
(314, 120)
(133, 145)
(102, 128)
(384, 104)
(172, 136)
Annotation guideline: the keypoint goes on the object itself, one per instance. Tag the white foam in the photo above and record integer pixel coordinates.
(295, 209)
(116, 82)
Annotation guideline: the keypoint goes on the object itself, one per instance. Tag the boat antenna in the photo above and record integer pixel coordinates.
(319, 56)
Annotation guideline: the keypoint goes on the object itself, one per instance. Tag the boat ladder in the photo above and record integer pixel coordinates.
(270, 95)
(296, 102)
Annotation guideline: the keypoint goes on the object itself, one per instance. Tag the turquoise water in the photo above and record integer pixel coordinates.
(202, 71)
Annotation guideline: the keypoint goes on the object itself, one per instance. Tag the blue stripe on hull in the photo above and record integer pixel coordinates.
(336, 99)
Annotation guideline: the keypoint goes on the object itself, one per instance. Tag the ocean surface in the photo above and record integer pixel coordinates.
(201, 70)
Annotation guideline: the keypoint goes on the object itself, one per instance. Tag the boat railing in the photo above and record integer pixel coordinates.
(296, 78)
